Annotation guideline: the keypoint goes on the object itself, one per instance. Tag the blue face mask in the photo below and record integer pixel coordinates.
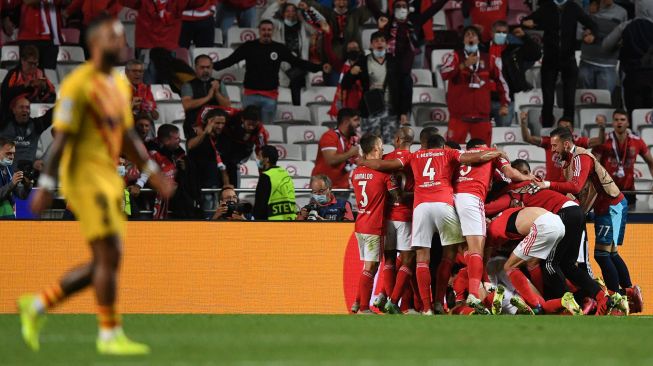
(560, 2)
(320, 198)
(122, 170)
(259, 163)
(379, 54)
(471, 48)
(500, 38)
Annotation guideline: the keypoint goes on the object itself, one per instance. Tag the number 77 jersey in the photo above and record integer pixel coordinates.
(371, 188)
(433, 171)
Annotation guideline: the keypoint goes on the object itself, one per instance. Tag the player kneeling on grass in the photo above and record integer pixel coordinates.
(371, 188)
(539, 231)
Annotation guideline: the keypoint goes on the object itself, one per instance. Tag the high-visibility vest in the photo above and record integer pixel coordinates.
(281, 204)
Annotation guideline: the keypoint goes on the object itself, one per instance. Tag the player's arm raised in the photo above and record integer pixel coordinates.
(135, 151)
(515, 175)
(479, 157)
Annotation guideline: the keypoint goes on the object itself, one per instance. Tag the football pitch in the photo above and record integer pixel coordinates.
(205, 340)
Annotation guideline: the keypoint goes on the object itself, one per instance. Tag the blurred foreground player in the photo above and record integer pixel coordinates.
(93, 120)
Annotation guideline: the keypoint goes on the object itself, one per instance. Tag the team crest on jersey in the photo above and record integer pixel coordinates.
(274, 56)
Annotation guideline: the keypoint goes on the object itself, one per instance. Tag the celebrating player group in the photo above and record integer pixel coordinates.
(511, 243)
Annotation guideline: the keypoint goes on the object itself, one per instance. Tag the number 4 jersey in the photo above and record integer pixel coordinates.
(371, 188)
(433, 170)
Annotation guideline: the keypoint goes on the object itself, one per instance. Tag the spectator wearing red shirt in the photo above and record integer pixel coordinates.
(619, 153)
(27, 79)
(158, 23)
(610, 210)
(483, 14)
(40, 25)
(198, 26)
(142, 99)
(371, 188)
(469, 72)
(335, 149)
(553, 162)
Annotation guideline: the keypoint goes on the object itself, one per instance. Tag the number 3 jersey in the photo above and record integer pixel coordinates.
(371, 188)
(476, 179)
(433, 170)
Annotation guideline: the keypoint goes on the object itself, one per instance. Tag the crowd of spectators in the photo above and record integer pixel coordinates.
(373, 87)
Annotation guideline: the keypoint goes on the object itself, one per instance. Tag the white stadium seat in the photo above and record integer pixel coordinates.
(426, 114)
(529, 98)
(289, 151)
(233, 91)
(642, 172)
(297, 168)
(365, 37)
(285, 97)
(439, 58)
(315, 79)
(230, 75)
(318, 95)
(506, 135)
(9, 54)
(37, 110)
(237, 36)
(215, 53)
(50, 74)
(526, 152)
(646, 133)
(276, 134)
(641, 117)
(171, 112)
(593, 131)
(422, 77)
(302, 183)
(4, 72)
(163, 93)
(310, 152)
(593, 97)
(130, 34)
(292, 114)
(320, 114)
(388, 149)
(304, 134)
(70, 54)
(248, 169)
(537, 168)
(248, 182)
(588, 116)
(429, 96)
(127, 15)
(217, 38)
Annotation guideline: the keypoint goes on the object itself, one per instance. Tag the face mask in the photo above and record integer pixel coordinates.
(401, 13)
(290, 23)
(6, 162)
(471, 48)
(379, 54)
(353, 55)
(259, 164)
(122, 171)
(500, 38)
(320, 198)
(560, 2)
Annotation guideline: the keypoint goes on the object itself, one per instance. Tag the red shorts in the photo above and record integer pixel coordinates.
(458, 130)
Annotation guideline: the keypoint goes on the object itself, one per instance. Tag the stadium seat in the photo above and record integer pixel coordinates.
(127, 15)
(593, 131)
(320, 115)
(304, 134)
(588, 116)
(318, 95)
(526, 152)
(422, 77)
(171, 112)
(596, 97)
(289, 151)
(217, 39)
(230, 75)
(415, 147)
(51, 75)
(233, 91)
(315, 79)
(215, 53)
(302, 183)
(439, 21)
(70, 36)
(9, 56)
(248, 169)
(365, 37)
(429, 96)
(528, 99)
(292, 114)
(3, 73)
(248, 182)
(533, 76)
(535, 118)
(237, 36)
(310, 152)
(38, 109)
(644, 185)
(297, 169)
(506, 135)
(163, 93)
(276, 134)
(641, 118)
(538, 168)
(388, 148)
(646, 133)
(427, 115)
(130, 34)
(642, 172)
(285, 96)
(65, 69)
(439, 58)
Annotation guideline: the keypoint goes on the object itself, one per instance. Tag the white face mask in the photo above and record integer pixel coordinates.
(6, 162)
(401, 13)
(122, 171)
(379, 53)
(289, 22)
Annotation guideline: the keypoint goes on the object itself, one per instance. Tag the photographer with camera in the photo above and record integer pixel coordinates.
(324, 206)
(230, 208)
(12, 184)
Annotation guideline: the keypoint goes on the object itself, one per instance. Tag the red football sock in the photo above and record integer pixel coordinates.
(571, 286)
(403, 278)
(486, 278)
(487, 301)
(460, 284)
(424, 284)
(406, 298)
(388, 278)
(365, 289)
(462, 310)
(536, 277)
(523, 287)
(552, 306)
(475, 268)
(444, 272)
(378, 284)
(414, 288)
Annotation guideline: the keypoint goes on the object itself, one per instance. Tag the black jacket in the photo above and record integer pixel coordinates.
(637, 47)
(559, 26)
(515, 60)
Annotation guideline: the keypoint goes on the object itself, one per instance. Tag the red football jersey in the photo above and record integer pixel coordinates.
(553, 162)
(432, 170)
(497, 234)
(476, 179)
(333, 140)
(630, 148)
(401, 211)
(371, 187)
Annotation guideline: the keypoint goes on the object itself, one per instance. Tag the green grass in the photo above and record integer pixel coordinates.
(198, 340)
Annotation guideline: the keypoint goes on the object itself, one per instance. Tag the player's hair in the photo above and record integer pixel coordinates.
(165, 130)
(563, 134)
(376, 35)
(621, 111)
(225, 188)
(471, 28)
(472, 143)
(566, 119)
(346, 113)
(266, 21)
(517, 162)
(368, 142)
(270, 152)
(96, 23)
(435, 142)
(426, 133)
(324, 178)
(134, 62)
(452, 144)
(397, 1)
(215, 112)
(499, 23)
(406, 135)
(251, 113)
(29, 51)
(5, 141)
(143, 115)
(199, 57)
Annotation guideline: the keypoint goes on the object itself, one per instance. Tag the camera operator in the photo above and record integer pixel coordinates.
(12, 184)
(324, 206)
(230, 207)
